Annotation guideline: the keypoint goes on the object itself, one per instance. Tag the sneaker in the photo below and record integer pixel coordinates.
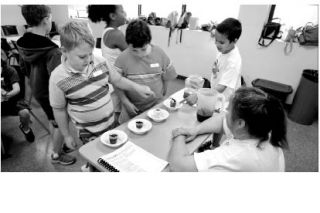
(86, 168)
(63, 159)
(29, 135)
(66, 149)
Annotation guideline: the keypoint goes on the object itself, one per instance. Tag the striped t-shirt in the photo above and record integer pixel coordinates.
(151, 70)
(85, 95)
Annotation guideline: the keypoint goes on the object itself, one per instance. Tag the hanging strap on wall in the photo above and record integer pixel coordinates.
(271, 30)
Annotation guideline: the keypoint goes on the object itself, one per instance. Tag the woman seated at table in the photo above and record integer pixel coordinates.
(255, 130)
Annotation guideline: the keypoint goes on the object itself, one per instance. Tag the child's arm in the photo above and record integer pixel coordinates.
(179, 157)
(180, 160)
(15, 91)
(125, 84)
(130, 107)
(58, 103)
(211, 125)
(169, 72)
(62, 118)
(230, 76)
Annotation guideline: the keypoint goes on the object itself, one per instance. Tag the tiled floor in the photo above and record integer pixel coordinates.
(35, 157)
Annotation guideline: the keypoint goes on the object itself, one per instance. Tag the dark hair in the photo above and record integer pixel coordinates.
(262, 114)
(34, 14)
(138, 33)
(97, 13)
(231, 28)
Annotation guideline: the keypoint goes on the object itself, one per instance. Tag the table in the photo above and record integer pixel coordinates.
(157, 141)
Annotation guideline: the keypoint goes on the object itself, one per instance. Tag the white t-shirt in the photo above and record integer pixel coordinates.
(229, 74)
(241, 156)
(110, 54)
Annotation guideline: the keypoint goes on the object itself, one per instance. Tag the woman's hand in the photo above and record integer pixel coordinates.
(190, 133)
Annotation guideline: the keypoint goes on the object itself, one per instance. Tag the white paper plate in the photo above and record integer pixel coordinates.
(122, 138)
(145, 128)
(167, 104)
(158, 115)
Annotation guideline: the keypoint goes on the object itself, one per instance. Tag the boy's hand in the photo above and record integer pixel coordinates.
(144, 91)
(192, 99)
(131, 108)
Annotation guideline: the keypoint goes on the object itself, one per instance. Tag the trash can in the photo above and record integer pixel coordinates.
(278, 90)
(304, 108)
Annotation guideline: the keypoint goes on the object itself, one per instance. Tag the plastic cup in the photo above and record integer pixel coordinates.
(139, 124)
(113, 138)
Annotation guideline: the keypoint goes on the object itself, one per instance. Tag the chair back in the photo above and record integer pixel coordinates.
(9, 30)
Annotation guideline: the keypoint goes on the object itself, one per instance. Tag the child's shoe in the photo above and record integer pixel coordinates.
(63, 159)
(87, 168)
(66, 149)
(29, 134)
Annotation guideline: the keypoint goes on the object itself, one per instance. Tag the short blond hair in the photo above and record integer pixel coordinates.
(74, 33)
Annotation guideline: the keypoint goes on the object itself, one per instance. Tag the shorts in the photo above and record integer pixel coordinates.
(12, 107)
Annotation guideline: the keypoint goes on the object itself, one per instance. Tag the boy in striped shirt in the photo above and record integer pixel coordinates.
(80, 87)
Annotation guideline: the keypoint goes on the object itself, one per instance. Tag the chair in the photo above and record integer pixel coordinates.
(9, 30)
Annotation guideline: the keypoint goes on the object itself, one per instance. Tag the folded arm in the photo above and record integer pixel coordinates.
(180, 160)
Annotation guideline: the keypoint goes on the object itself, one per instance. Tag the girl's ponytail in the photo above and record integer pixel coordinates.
(278, 122)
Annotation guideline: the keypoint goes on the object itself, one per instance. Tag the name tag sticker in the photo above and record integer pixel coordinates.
(99, 72)
(154, 65)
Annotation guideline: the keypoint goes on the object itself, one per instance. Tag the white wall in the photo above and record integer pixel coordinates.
(194, 55)
(271, 62)
(11, 15)
(59, 14)
(196, 52)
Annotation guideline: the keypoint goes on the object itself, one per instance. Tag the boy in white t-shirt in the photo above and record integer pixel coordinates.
(226, 71)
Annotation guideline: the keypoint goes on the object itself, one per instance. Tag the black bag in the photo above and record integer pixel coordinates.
(308, 35)
(270, 31)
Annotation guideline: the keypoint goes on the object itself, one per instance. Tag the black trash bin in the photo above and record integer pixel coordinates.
(278, 90)
(304, 108)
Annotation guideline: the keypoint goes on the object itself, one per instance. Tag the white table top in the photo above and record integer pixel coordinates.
(157, 141)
